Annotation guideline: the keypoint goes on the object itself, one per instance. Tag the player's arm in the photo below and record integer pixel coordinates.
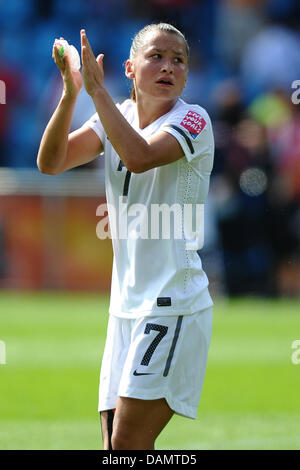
(137, 154)
(59, 149)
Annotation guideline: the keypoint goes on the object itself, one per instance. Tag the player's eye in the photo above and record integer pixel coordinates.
(178, 59)
(156, 56)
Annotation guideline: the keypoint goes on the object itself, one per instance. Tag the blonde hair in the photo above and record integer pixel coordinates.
(139, 41)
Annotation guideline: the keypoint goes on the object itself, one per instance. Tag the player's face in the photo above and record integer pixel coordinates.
(160, 66)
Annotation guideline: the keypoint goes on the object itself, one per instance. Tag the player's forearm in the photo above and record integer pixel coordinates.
(129, 145)
(54, 144)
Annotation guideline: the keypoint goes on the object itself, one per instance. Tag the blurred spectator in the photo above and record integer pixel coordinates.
(237, 21)
(240, 183)
(270, 60)
(287, 148)
(285, 202)
(285, 12)
(244, 211)
(14, 81)
(271, 109)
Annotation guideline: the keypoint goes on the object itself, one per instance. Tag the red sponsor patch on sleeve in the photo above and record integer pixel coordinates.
(194, 123)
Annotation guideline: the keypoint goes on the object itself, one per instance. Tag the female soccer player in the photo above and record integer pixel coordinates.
(158, 155)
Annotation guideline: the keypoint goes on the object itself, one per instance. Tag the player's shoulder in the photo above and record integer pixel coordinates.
(192, 110)
(191, 119)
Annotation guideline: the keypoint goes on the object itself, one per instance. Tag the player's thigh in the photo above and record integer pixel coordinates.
(140, 420)
(114, 356)
(167, 359)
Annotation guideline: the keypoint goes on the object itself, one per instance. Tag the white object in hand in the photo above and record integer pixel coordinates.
(64, 48)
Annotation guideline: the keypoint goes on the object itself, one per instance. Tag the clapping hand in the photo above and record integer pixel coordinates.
(92, 68)
(72, 78)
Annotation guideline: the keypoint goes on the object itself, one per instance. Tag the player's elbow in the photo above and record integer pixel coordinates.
(46, 170)
(138, 165)
(136, 169)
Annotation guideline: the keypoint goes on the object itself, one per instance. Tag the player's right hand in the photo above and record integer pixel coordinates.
(72, 79)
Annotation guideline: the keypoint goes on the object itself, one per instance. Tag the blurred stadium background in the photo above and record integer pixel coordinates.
(55, 272)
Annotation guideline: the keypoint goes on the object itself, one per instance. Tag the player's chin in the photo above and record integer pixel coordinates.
(170, 92)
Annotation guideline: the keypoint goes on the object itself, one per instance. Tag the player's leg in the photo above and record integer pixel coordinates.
(137, 423)
(163, 373)
(117, 338)
(106, 421)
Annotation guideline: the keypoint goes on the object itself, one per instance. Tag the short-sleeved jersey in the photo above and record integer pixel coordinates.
(155, 271)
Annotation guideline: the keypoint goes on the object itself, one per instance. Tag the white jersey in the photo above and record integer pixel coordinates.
(155, 271)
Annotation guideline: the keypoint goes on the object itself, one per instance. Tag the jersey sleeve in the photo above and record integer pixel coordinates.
(95, 124)
(193, 130)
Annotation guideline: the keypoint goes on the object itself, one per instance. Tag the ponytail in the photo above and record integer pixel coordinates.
(132, 93)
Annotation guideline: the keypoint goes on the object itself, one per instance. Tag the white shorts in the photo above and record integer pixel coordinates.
(156, 357)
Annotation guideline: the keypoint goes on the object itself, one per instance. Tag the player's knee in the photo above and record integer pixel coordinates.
(121, 441)
(129, 441)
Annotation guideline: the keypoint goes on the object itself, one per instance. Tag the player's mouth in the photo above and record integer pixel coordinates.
(165, 82)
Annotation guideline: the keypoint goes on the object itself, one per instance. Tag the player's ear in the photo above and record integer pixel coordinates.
(129, 72)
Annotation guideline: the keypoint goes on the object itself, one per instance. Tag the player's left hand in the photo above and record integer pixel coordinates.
(92, 68)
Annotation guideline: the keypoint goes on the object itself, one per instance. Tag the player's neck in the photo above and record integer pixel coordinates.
(150, 110)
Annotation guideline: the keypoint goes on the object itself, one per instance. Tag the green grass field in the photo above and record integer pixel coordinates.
(54, 344)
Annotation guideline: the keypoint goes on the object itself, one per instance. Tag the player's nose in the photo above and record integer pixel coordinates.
(167, 66)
